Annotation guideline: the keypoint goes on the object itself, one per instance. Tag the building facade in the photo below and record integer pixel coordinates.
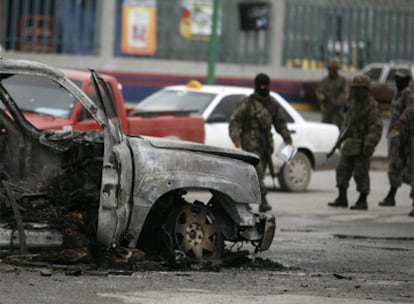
(151, 43)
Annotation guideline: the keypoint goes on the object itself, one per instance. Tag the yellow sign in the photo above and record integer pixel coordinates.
(196, 19)
(139, 34)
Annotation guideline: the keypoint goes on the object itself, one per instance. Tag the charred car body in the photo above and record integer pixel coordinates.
(102, 190)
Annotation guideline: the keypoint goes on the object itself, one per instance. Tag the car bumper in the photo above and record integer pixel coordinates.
(262, 233)
(269, 229)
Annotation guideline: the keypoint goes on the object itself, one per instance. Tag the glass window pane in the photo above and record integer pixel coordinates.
(169, 100)
(226, 106)
(40, 95)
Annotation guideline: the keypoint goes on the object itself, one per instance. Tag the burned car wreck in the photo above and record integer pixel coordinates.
(84, 193)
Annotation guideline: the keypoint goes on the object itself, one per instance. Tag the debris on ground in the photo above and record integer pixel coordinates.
(341, 277)
(115, 264)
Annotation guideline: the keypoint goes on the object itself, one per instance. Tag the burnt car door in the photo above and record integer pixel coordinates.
(117, 171)
(45, 159)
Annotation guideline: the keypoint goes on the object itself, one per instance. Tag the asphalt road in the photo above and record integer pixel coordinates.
(322, 254)
(328, 255)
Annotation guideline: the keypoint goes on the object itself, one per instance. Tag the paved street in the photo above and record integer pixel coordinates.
(328, 255)
(319, 255)
(383, 222)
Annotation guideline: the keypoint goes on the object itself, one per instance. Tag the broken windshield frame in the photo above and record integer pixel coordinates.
(107, 104)
(40, 95)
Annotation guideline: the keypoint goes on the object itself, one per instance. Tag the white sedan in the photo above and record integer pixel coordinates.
(216, 104)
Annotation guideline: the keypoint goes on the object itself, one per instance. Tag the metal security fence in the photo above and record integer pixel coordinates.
(49, 26)
(235, 44)
(356, 31)
(73, 27)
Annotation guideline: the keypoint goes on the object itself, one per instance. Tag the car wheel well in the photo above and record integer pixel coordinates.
(155, 238)
(309, 155)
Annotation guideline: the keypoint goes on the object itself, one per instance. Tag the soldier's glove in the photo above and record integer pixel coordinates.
(368, 150)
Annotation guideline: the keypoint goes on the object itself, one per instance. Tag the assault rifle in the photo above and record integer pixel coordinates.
(339, 141)
(269, 161)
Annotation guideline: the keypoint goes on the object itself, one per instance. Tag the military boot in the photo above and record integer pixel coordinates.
(361, 203)
(341, 200)
(264, 206)
(389, 200)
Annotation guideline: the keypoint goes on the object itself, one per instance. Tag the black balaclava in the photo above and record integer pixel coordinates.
(262, 80)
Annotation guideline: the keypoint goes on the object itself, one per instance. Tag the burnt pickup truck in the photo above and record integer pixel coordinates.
(69, 114)
(83, 193)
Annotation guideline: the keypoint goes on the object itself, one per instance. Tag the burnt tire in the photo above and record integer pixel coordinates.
(195, 231)
(295, 177)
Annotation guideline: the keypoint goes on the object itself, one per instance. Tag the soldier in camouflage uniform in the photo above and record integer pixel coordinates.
(403, 136)
(362, 132)
(403, 98)
(332, 95)
(250, 127)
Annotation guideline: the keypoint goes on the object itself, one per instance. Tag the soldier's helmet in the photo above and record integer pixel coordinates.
(361, 81)
(334, 63)
(403, 73)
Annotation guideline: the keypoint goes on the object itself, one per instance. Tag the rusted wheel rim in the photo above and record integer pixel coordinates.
(196, 232)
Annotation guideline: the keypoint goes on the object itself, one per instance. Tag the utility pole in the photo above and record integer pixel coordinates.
(212, 46)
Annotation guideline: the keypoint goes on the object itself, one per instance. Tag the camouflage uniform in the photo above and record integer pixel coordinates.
(332, 95)
(400, 102)
(403, 98)
(403, 131)
(252, 115)
(364, 128)
(250, 124)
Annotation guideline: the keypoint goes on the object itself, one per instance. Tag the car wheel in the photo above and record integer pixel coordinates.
(295, 177)
(195, 231)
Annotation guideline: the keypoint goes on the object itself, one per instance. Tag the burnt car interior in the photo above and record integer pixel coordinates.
(48, 178)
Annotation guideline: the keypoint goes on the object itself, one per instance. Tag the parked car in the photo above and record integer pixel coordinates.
(382, 82)
(70, 115)
(383, 79)
(216, 103)
(90, 191)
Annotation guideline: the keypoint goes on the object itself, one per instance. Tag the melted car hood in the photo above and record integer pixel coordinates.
(195, 147)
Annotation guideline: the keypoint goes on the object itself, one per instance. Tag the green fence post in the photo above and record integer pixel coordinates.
(212, 46)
